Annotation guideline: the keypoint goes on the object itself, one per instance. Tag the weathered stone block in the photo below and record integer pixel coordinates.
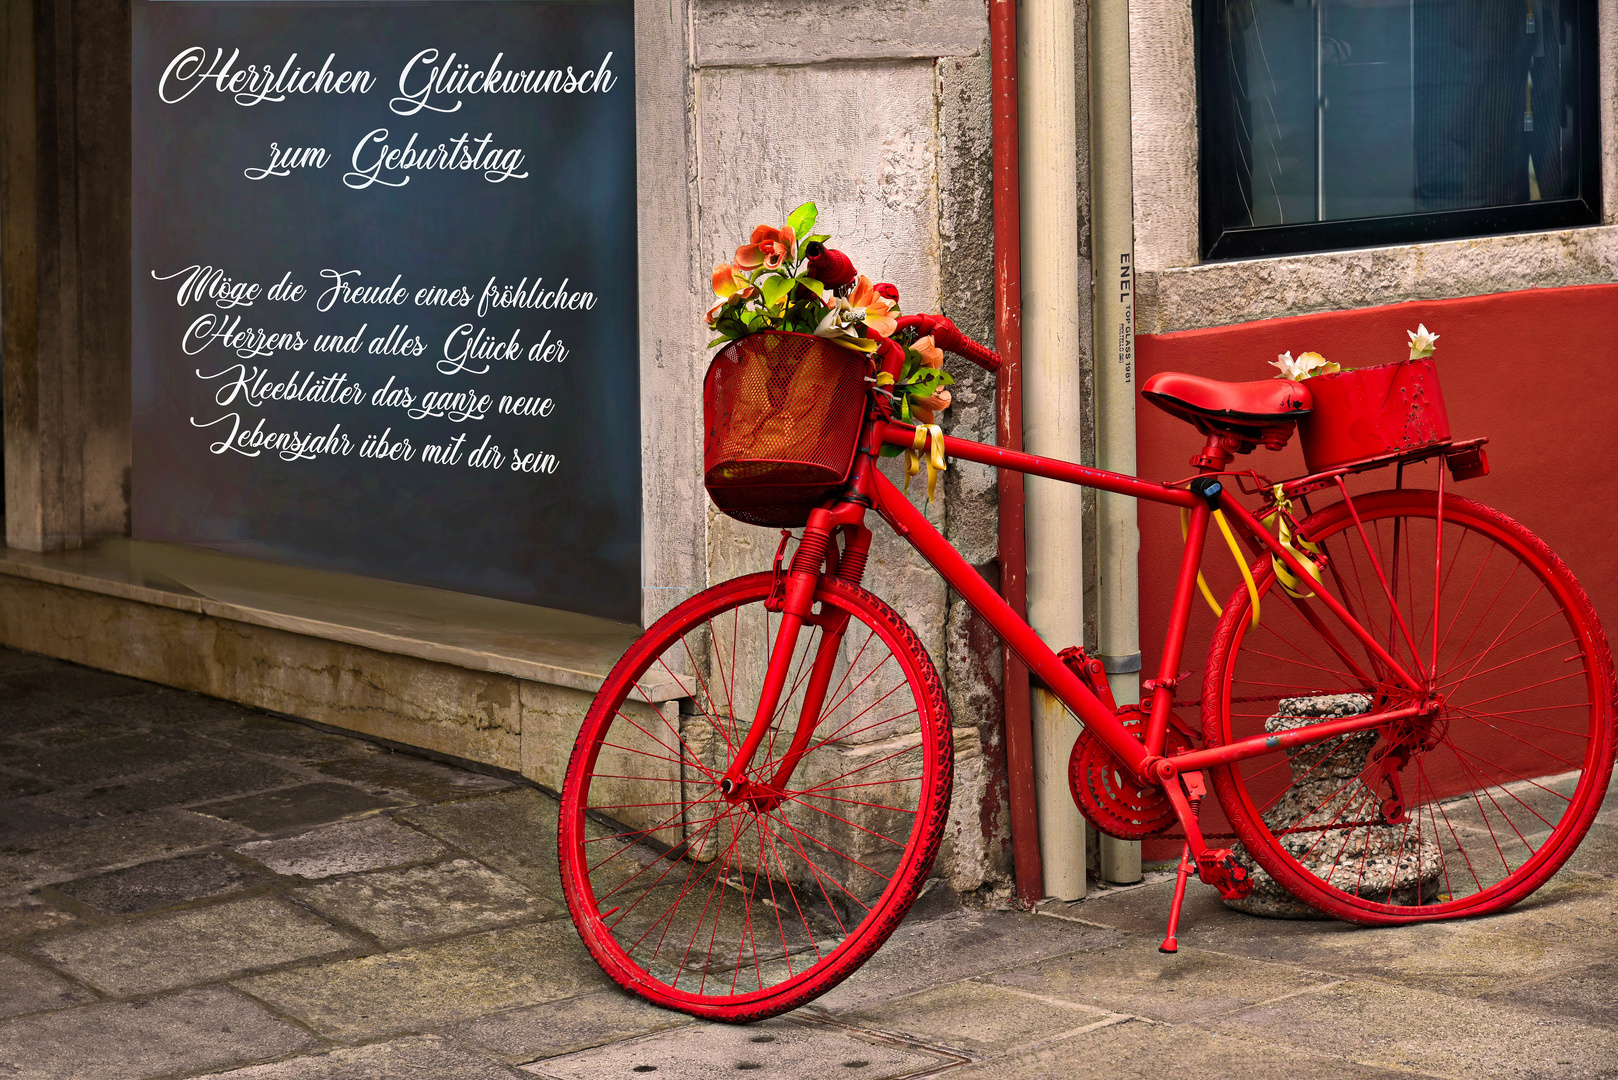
(399, 906)
(778, 32)
(432, 985)
(182, 1033)
(345, 848)
(198, 945)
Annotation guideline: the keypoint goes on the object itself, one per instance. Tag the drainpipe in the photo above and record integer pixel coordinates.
(1008, 433)
(1053, 403)
(1112, 253)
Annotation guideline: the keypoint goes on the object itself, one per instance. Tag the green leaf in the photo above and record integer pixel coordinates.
(812, 285)
(775, 289)
(801, 220)
(818, 238)
(721, 339)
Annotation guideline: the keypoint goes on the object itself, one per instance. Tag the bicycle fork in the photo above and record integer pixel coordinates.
(794, 596)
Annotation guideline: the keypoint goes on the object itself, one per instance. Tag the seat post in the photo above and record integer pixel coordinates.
(1219, 451)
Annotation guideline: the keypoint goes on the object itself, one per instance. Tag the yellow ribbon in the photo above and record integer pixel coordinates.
(1306, 553)
(1235, 553)
(929, 438)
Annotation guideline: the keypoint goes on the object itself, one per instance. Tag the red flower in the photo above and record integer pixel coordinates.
(769, 248)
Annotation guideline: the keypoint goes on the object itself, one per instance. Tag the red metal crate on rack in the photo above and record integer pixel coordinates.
(1373, 413)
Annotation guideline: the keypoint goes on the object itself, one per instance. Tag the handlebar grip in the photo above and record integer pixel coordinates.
(947, 336)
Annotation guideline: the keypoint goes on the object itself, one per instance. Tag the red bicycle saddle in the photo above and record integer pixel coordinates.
(1250, 412)
(1253, 404)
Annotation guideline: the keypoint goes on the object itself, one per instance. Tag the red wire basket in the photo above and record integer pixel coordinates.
(781, 414)
(1374, 412)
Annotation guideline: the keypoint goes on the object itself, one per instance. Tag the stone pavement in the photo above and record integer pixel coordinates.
(189, 888)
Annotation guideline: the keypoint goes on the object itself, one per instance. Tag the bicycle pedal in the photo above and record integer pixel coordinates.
(1218, 867)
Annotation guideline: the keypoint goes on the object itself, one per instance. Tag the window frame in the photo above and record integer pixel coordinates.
(1216, 243)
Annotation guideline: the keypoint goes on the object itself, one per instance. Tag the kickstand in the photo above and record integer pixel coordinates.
(1171, 943)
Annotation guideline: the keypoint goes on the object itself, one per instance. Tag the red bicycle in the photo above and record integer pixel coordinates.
(1406, 714)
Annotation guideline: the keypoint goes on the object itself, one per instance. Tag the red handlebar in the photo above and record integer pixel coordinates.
(948, 337)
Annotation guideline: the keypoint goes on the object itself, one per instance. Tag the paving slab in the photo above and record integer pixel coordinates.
(74, 683)
(297, 807)
(24, 712)
(108, 759)
(431, 1057)
(26, 987)
(163, 883)
(184, 1033)
(82, 727)
(58, 856)
(1396, 1027)
(924, 953)
(400, 906)
(513, 831)
(29, 917)
(419, 778)
(368, 844)
(193, 946)
(1597, 853)
(977, 1018)
(21, 819)
(1587, 991)
(563, 1027)
(1135, 978)
(206, 782)
(279, 738)
(777, 1049)
(161, 707)
(1139, 1050)
(430, 986)
(13, 786)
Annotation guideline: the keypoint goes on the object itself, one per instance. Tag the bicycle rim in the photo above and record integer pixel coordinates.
(739, 911)
(1497, 788)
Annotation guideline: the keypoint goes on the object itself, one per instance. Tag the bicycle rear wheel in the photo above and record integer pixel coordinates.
(737, 911)
(1497, 788)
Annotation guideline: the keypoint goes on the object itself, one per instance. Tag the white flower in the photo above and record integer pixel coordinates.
(1310, 363)
(1421, 341)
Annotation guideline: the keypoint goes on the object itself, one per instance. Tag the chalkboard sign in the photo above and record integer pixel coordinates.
(384, 291)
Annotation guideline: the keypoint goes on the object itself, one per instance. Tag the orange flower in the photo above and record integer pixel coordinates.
(926, 410)
(864, 296)
(768, 248)
(743, 295)
(726, 281)
(930, 354)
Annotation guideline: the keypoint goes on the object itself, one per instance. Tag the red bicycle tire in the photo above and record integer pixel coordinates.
(912, 715)
(1512, 770)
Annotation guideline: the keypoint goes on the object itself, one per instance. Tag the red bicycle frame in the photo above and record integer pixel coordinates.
(868, 489)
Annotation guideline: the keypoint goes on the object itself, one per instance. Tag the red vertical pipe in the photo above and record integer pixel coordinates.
(1008, 433)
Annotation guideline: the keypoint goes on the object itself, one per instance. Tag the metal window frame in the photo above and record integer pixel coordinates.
(1218, 243)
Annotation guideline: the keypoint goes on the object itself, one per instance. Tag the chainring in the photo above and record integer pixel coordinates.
(1108, 796)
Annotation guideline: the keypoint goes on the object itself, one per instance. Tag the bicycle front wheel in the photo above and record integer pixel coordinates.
(739, 910)
(1460, 812)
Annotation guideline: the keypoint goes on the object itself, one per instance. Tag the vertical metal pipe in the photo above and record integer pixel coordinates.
(1008, 433)
(1112, 255)
(1053, 402)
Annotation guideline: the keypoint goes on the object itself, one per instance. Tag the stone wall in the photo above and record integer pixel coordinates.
(879, 113)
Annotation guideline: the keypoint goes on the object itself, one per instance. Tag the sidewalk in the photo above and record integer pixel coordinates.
(189, 888)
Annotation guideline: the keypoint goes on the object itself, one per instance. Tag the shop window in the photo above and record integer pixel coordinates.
(1351, 123)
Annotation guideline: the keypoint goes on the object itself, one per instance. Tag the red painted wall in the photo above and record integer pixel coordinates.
(1535, 371)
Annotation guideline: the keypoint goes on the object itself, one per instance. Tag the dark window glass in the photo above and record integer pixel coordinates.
(1341, 123)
